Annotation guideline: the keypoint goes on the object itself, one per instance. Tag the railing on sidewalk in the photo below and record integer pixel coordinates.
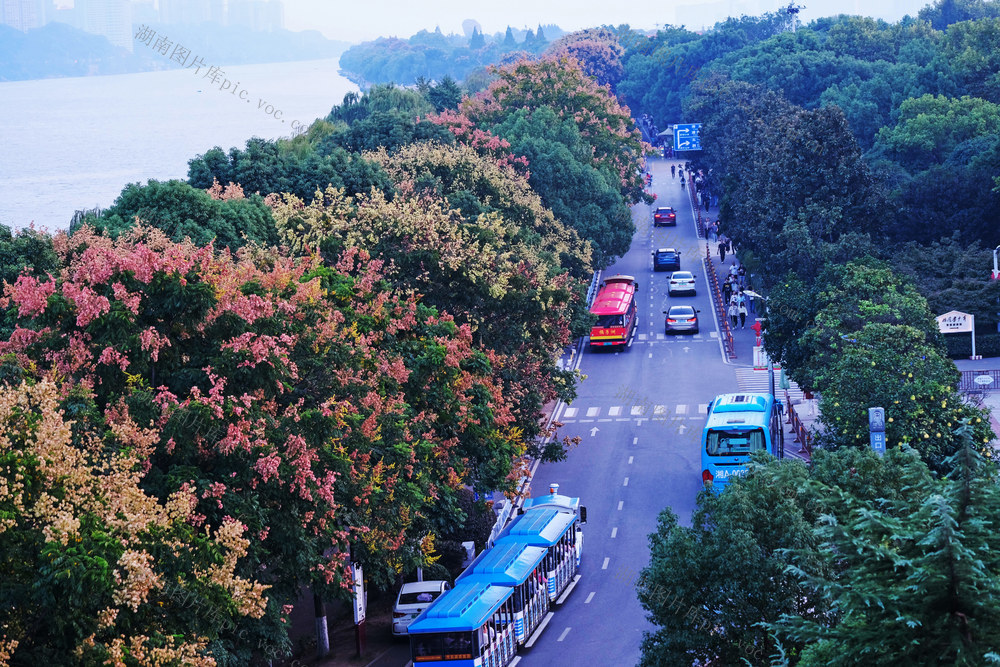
(720, 307)
(802, 435)
(697, 209)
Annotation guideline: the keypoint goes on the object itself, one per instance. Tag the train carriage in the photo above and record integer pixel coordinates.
(470, 625)
(521, 567)
(505, 594)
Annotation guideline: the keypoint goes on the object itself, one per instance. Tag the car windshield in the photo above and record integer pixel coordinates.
(418, 597)
(681, 311)
(667, 254)
(610, 321)
(720, 442)
(681, 275)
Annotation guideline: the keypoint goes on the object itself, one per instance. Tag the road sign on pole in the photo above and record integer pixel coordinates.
(687, 137)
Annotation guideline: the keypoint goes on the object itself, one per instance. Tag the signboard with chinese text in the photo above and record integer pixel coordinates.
(955, 322)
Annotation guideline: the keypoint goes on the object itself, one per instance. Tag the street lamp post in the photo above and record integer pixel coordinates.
(996, 271)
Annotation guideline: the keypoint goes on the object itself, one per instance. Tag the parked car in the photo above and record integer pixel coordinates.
(681, 282)
(664, 215)
(681, 319)
(413, 598)
(666, 259)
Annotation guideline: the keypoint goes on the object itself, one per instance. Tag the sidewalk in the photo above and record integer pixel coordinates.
(802, 414)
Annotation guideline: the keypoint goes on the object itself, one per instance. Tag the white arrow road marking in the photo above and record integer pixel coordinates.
(594, 431)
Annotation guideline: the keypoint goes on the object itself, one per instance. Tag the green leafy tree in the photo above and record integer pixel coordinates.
(499, 273)
(766, 521)
(893, 366)
(909, 579)
(943, 13)
(559, 84)
(28, 250)
(446, 95)
(325, 409)
(182, 211)
(301, 166)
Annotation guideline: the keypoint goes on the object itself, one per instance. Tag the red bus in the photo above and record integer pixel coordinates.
(616, 313)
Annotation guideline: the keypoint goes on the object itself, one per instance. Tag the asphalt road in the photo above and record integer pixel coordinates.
(639, 413)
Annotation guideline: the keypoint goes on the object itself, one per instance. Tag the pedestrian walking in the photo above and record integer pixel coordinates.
(705, 200)
(673, 171)
(734, 313)
(741, 275)
(753, 305)
(727, 290)
(722, 251)
(742, 311)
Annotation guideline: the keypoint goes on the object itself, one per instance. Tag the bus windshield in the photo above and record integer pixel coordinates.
(610, 321)
(734, 442)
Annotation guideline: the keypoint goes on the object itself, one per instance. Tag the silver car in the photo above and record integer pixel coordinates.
(681, 282)
(413, 598)
(681, 319)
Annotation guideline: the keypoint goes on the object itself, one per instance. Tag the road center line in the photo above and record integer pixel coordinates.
(606, 562)
(614, 533)
(626, 482)
(620, 504)
(630, 460)
(563, 635)
(589, 598)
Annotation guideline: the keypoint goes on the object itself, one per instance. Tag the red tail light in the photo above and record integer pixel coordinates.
(672, 321)
(691, 320)
(707, 476)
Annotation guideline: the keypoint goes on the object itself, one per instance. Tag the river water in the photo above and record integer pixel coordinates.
(74, 143)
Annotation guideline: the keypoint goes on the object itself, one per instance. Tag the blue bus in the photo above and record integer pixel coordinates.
(737, 426)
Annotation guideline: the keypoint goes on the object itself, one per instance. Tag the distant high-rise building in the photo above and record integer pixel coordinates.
(217, 11)
(62, 14)
(184, 11)
(111, 18)
(144, 12)
(261, 15)
(24, 15)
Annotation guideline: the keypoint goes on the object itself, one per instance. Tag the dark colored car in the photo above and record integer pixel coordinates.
(666, 259)
(664, 215)
(681, 319)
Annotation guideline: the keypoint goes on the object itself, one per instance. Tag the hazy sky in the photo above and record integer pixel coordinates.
(360, 20)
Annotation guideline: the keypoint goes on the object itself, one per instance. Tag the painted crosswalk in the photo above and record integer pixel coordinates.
(624, 413)
(750, 379)
(711, 337)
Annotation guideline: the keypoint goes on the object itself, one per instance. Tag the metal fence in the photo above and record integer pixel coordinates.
(979, 381)
(720, 305)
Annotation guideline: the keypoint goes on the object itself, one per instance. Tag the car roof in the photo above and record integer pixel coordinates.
(422, 586)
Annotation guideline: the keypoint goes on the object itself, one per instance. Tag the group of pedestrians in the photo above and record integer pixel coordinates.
(738, 306)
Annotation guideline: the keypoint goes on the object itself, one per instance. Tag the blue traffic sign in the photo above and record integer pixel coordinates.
(878, 441)
(687, 137)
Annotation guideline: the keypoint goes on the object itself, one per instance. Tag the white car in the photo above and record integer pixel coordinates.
(681, 282)
(413, 598)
